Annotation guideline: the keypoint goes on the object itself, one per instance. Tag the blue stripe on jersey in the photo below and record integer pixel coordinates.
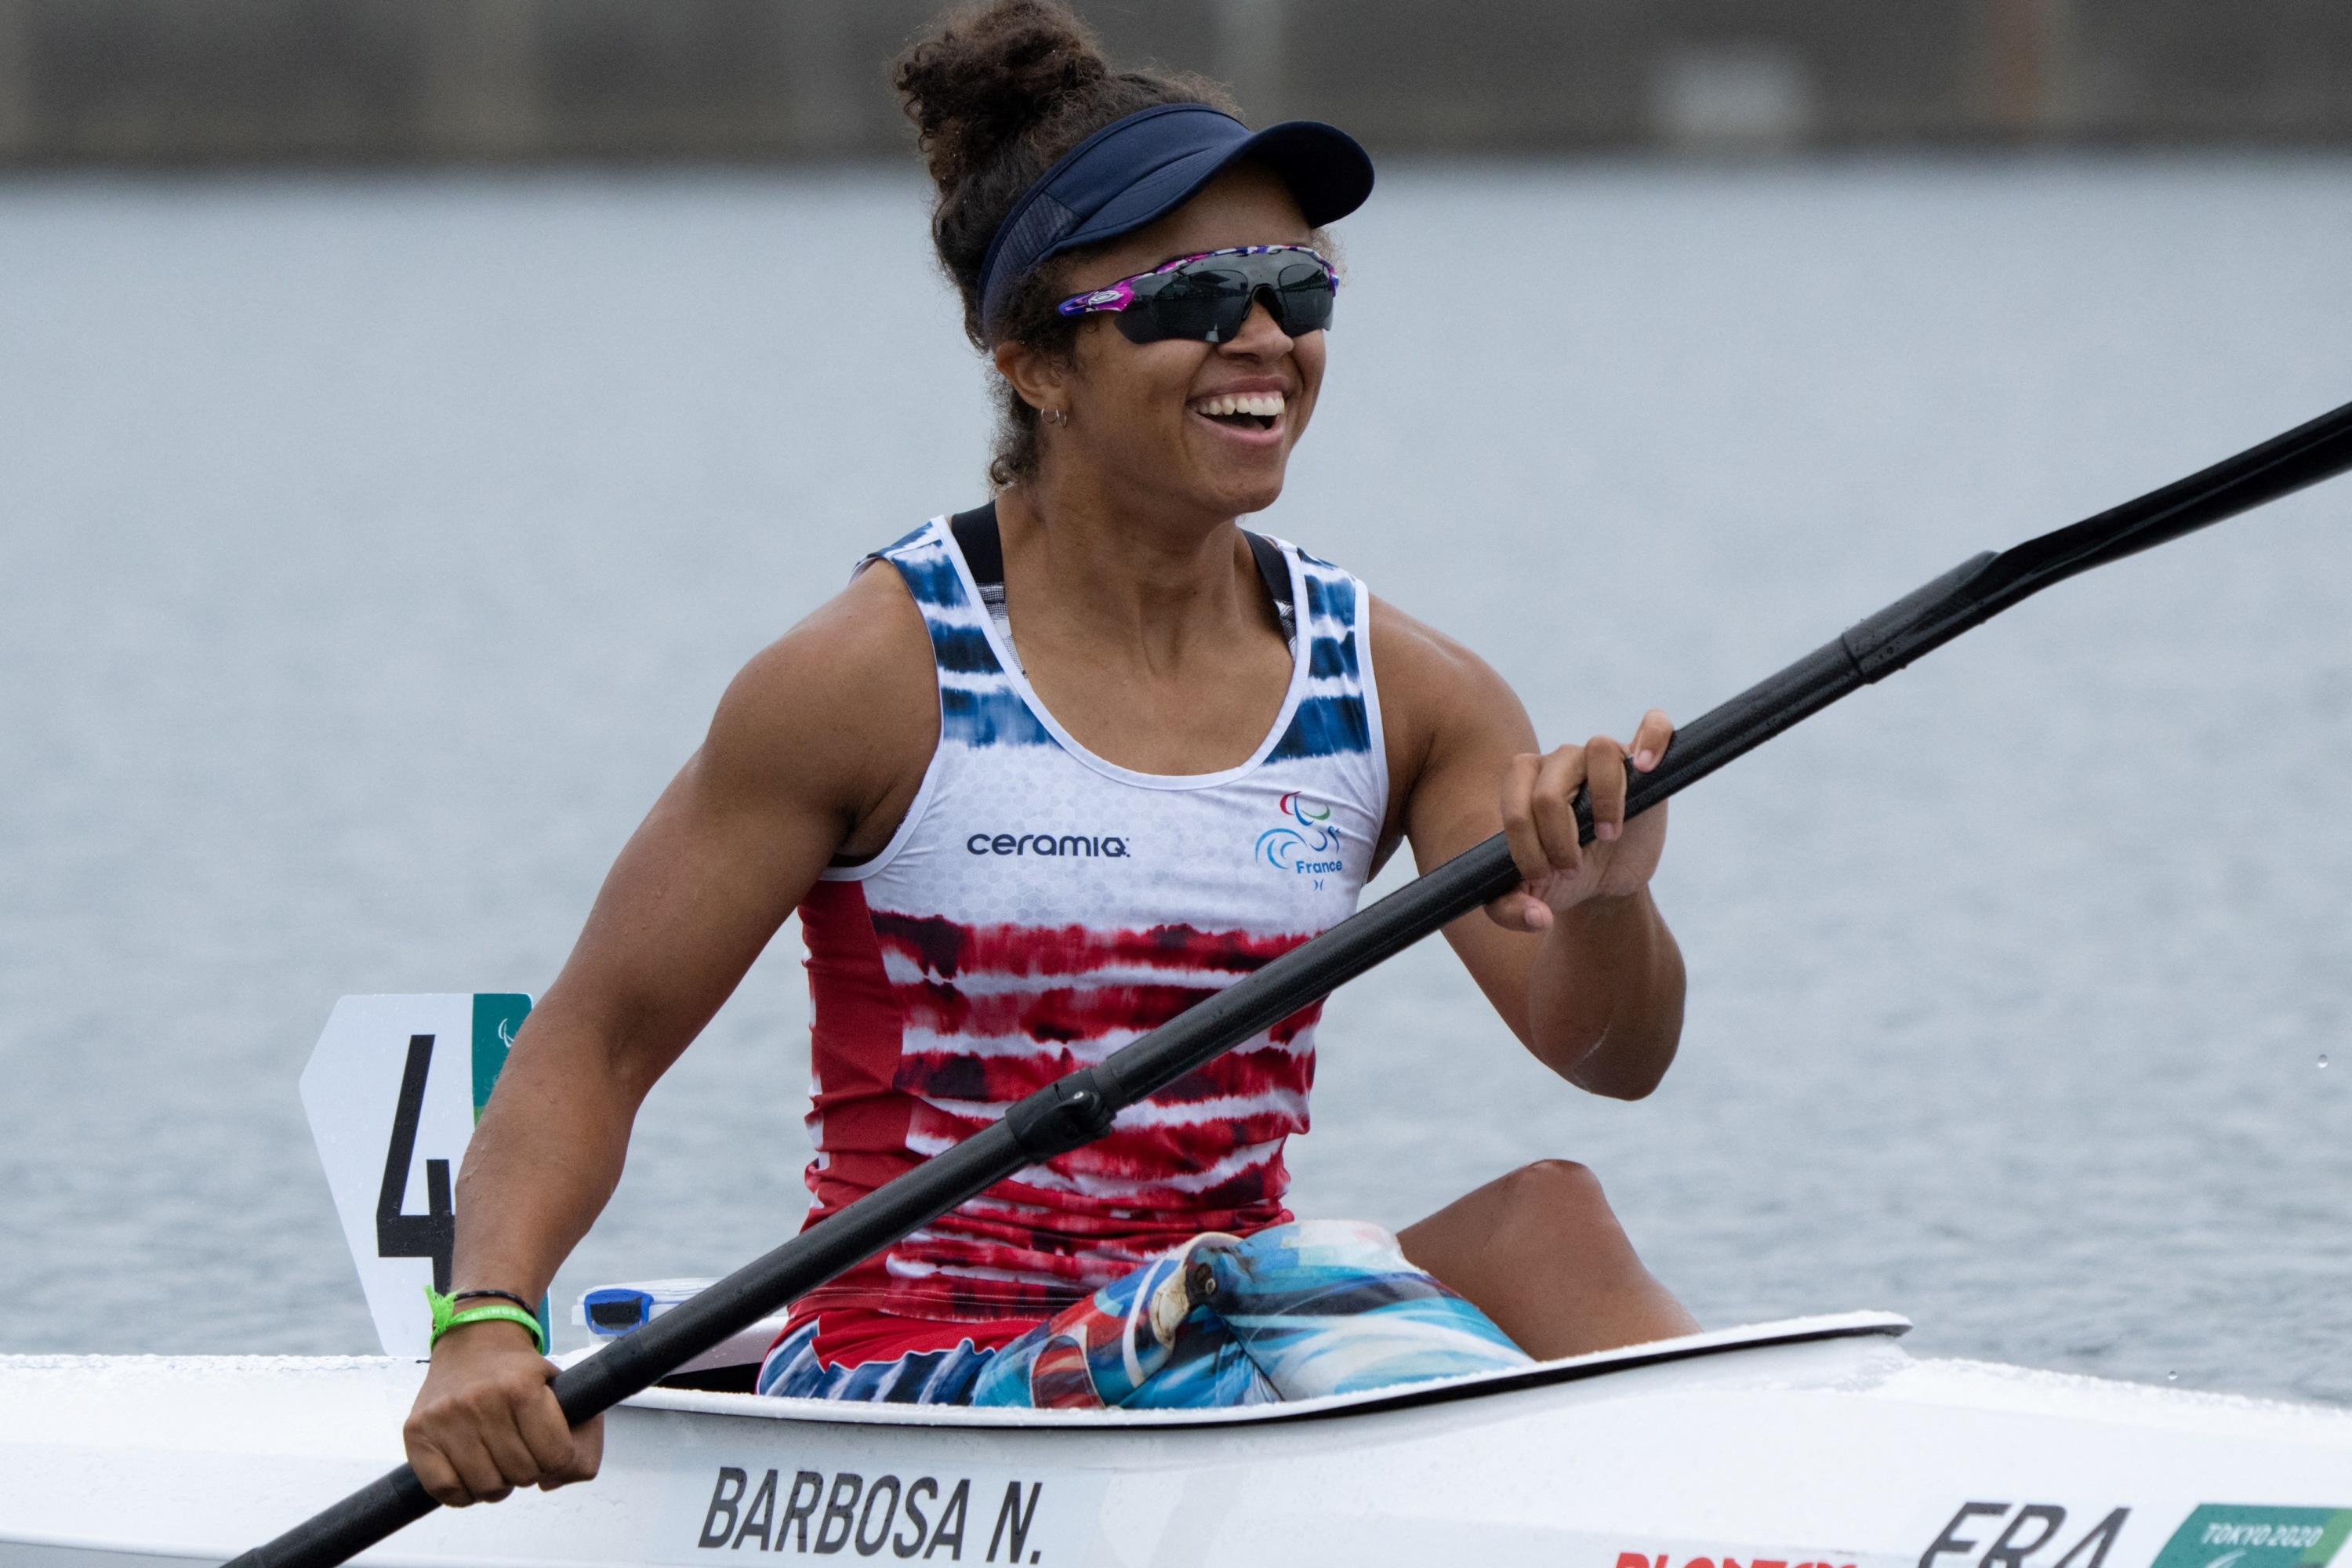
(963, 650)
(1332, 597)
(977, 712)
(1332, 655)
(930, 577)
(988, 718)
(1332, 723)
(1325, 726)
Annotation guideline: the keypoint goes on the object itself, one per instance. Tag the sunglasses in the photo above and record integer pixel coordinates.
(1207, 297)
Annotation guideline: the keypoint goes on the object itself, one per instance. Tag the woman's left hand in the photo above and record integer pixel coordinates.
(1539, 820)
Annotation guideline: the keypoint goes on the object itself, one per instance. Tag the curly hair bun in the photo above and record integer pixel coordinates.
(997, 92)
(992, 75)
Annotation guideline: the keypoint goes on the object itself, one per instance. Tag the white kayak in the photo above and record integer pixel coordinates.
(1818, 1441)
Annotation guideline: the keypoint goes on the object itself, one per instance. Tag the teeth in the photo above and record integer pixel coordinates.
(1266, 405)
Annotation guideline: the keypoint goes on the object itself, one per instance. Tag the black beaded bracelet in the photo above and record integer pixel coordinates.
(530, 1307)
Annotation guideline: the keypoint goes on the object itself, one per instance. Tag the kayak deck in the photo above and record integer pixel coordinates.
(1814, 1441)
(1436, 1391)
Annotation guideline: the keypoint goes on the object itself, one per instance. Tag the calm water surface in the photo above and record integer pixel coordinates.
(371, 554)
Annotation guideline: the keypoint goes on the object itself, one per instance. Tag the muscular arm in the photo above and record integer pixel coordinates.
(1595, 990)
(817, 749)
(799, 758)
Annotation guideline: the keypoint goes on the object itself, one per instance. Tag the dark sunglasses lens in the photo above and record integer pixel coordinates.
(1304, 298)
(1207, 306)
(1211, 304)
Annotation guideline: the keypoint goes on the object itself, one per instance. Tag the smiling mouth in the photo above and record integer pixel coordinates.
(1242, 411)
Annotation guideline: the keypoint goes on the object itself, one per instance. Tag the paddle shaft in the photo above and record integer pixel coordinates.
(1078, 1109)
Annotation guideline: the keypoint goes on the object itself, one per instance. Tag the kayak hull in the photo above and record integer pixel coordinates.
(1817, 1441)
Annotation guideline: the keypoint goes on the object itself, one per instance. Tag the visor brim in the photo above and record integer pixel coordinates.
(1328, 173)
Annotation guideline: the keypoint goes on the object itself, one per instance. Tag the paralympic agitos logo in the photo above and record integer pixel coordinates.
(1307, 845)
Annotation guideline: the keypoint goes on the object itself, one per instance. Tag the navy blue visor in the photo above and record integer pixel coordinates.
(1137, 170)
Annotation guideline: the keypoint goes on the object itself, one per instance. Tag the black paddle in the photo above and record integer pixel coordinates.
(1078, 1109)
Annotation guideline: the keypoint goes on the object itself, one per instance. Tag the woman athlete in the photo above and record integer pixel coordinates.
(1047, 772)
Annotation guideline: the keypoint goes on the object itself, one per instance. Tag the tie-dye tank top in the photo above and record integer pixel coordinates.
(1041, 907)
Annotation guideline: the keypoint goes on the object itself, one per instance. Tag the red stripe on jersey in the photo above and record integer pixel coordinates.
(941, 1072)
(852, 1339)
(1202, 1154)
(947, 949)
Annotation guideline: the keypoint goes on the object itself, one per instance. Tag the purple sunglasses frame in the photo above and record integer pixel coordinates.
(1119, 295)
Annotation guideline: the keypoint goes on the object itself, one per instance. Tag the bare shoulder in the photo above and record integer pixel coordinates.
(1434, 689)
(841, 712)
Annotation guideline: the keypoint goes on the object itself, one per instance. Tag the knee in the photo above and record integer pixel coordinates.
(1553, 1196)
(1555, 1181)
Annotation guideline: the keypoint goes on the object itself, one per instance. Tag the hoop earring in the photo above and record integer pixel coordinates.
(1054, 415)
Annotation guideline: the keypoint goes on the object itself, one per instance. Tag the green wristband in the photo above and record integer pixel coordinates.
(446, 1316)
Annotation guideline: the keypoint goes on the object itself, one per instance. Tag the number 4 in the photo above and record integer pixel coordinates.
(433, 1233)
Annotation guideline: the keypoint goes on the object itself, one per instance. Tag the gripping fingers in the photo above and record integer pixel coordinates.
(1557, 779)
(587, 1454)
(1604, 776)
(1655, 733)
(1522, 910)
(1519, 819)
(438, 1475)
(562, 1455)
(509, 1451)
(477, 1474)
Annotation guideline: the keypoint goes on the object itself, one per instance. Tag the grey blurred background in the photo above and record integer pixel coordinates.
(173, 82)
(412, 412)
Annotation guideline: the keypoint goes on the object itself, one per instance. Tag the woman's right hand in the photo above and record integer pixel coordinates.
(486, 1421)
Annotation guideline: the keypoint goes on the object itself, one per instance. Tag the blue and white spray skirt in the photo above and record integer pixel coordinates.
(1295, 1312)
